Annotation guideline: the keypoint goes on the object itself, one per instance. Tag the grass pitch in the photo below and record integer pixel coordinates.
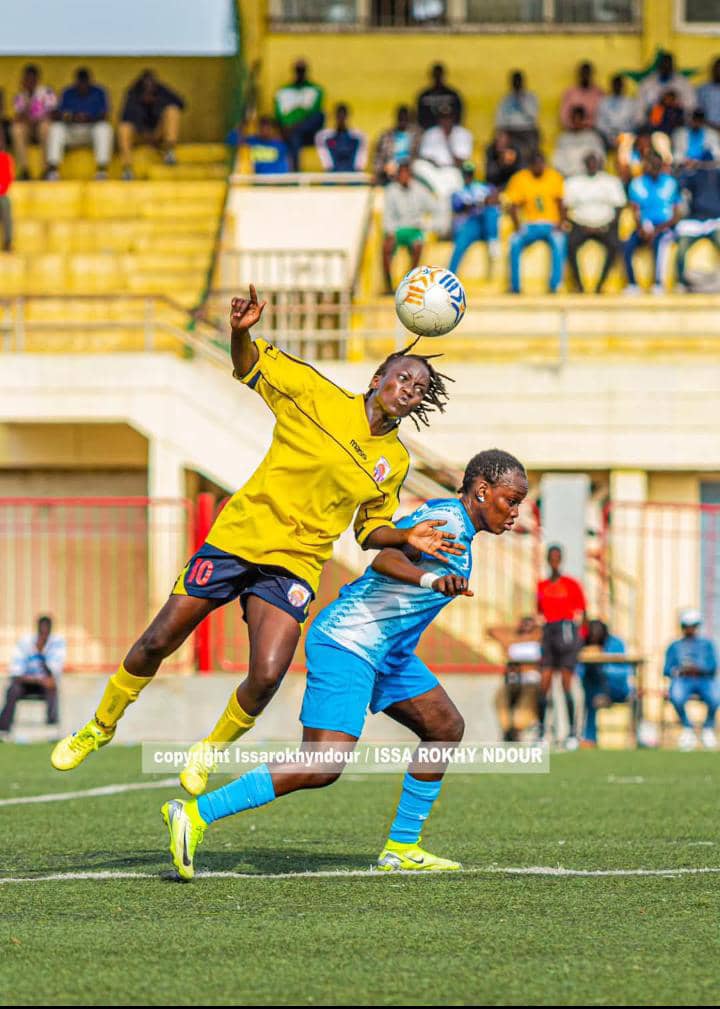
(488, 936)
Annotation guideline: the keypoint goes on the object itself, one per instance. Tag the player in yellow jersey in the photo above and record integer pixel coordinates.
(334, 455)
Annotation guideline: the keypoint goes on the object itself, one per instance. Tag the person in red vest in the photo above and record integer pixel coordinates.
(561, 603)
(7, 174)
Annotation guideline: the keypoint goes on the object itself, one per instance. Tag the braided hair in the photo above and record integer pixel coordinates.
(492, 465)
(436, 395)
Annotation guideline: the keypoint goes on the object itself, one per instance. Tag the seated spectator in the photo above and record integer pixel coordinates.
(476, 218)
(400, 143)
(708, 97)
(696, 142)
(617, 113)
(536, 193)
(604, 684)
(150, 114)
(575, 143)
(35, 668)
(439, 98)
(81, 121)
(517, 115)
(407, 203)
(585, 95)
(7, 174)
(593, 202)
(502, 160)
(299, 112)
(268, 154)
(443, 149)
(342, 149)
(656, 204)
(702, 186)
(633, 152)
(517, 701)
(5, 123)
(667, 115)
(691, 666)
(657, 83)
(33, 106)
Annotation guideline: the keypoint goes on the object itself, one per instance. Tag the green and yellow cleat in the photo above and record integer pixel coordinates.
(186, 828)
(198, 766)
(72, 750)
(397, 857)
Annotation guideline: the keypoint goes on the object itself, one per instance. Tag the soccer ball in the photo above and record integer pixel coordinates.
(430, 301)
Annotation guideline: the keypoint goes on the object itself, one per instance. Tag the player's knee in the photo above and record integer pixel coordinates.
(324, 778)
(265, 677)
(156, 642)
(454, 728)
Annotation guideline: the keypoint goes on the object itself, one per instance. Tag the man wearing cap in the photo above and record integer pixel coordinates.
(476, 217)
(691, 665)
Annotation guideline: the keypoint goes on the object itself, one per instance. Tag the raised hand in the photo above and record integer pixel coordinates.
(426, 536)
(245, 312)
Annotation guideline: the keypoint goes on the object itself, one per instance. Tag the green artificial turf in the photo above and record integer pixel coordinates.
(483, 937)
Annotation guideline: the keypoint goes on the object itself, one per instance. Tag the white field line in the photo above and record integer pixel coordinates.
(87, 793)
(533, 870)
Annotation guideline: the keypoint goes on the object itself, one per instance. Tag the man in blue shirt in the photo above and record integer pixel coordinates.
(268, 154)
(603, 684)
(342, 149)
(702, 186)
(81, 121)
(35, 669)
(476, 218)
(691, 666)
(360, 653)
(708, 97)
(656, 203)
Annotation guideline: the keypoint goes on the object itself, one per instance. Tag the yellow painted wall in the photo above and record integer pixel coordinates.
(677, 488)
(97, 446)
(202, 81)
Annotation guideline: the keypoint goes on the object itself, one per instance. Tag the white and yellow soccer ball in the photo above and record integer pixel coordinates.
(430, 301)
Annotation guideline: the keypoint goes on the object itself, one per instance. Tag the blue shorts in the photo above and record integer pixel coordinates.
(214, 574)
(341, 686)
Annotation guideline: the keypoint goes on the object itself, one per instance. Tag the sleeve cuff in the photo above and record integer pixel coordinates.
(250, 378)
(370, 526)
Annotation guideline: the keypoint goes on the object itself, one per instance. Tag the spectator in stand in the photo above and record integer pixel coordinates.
(502, 160)
(517, 701)
(696, 142)
(656, 203)
(7, 174)
(536, 193)
(407, 204)
(517, 114)
(476, 218)
(5, 124)
(81, 121)
(33, 106)
(702, 186)
(443, 149)
(667, 115)
(398, 144)
(585, 94)
(299, 112)
(708, 97)
(268, 154)
(342, 149)
(691, 667)
(561, 603)
(575, 143)
(438, 99)
(150, 112)
(633, 152)
(617, 113)
(35, 669)
(664, 78)
(606, 683)
(593, 202)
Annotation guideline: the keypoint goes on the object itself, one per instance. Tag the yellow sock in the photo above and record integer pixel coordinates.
(233, 722)
(122, 689)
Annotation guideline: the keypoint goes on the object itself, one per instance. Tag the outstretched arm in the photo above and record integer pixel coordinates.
(244, 313)
(425, 537)
(394, 564)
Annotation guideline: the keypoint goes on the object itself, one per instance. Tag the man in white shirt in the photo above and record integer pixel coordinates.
(575, 143)
(593, 202)
(654, 86)
(35, 668)
(443, 149)
(617, 113)
(407, 204)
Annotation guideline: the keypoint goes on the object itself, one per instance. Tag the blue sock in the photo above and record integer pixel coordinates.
(252, 790)
(413, 809)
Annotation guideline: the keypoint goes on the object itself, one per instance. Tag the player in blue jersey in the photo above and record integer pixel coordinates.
(360, 654)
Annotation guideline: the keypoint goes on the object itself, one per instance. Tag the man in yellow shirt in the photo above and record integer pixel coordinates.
(536, 193)
(334, 455)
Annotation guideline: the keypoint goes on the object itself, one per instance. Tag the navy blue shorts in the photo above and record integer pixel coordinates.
(214, 574)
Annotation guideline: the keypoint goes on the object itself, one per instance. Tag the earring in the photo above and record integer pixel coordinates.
(481, 498)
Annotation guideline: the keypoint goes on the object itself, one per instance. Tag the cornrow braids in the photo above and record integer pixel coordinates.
(492, 465)
(436, 395)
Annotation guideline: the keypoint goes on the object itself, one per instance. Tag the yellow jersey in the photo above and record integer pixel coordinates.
(322, 467)
(536, 196)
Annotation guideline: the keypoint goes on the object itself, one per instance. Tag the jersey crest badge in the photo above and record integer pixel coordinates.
(298, 594)
(382, 470)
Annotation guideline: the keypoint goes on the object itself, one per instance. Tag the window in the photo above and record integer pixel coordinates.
(549, 12)
(505, 11)
(315, 12)
(701, 11)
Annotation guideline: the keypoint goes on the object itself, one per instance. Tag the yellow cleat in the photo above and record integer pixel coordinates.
(397, 857)
(72, 750)
(198, 766)
(186, 828)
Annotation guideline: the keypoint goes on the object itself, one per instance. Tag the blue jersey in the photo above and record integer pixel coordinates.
(656, 198)
(381, 619)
